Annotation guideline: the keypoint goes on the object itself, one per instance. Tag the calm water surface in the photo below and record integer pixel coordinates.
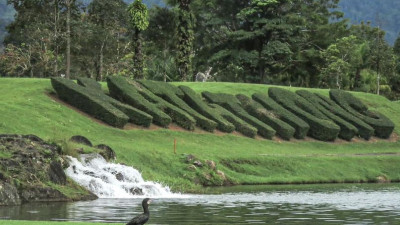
(320, 204)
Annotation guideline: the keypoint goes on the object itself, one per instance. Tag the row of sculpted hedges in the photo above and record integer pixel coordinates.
(382, 125)
(255, 109)
(280, 112)
(300, 126)
(230, 102)
(79, 97)
(173, 95)
(320, 127)
(136, 116)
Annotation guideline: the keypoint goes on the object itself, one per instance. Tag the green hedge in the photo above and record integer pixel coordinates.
(120, 89)
(135, 94)
(363, 129)
(168, 93)
(196, 102)
(283, 114)
(178, 115)
(320, 129)
(89, 83)
(255, 109)
(136, 116)
(347, 130)
(79, 97)
(230, 102)
(240, 125)
(383, 126)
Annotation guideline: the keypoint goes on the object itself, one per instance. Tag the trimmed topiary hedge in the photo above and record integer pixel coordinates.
(230, 102)
(136, 116)
(240, 125)
(363, 129)
(383, 126)
(255, 109)
(120, 89)
(135, 94)
(283, 114)
(79, 97)
(196, 102)
(347, 130)
(89, 83)
(168, 93)
(321, 129)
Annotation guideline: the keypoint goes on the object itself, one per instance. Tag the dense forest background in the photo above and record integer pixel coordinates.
(307, 43)
(382, 13)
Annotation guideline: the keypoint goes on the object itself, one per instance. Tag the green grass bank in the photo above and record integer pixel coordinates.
(27, 107)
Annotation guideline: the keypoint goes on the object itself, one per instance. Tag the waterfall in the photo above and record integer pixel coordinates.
(111, 180)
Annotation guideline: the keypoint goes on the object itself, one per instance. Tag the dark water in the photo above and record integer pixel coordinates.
(326, 204)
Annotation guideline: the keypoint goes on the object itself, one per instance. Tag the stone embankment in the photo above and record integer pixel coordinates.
(31, 170)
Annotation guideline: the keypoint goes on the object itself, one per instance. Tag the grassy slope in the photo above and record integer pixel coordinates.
(25, 108)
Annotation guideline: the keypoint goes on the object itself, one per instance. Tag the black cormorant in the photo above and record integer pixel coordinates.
(144, 217)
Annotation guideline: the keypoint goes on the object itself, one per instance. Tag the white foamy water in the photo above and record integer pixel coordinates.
(112, 180)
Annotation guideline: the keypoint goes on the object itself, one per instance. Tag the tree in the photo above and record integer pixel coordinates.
(68, 4)
(139, 20)
(109, 19)
(396, 47)
(160, 47)
(342, 59)
(42, 25)
(185, 39)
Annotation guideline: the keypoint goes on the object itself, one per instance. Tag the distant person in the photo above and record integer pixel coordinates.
(144, 217)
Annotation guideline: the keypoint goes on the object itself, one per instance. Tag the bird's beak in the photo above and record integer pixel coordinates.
(149, 201)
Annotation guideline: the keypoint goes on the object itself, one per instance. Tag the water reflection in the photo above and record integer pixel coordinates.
(365, 204)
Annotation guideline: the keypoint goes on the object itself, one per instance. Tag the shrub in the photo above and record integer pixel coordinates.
(168, 93)
(320, 129)
(195, 101)
(363, 130)
(255, 109)
(79, 97)
(135, 94)
(240, 125)
(347, 130)
(230, 102)
(136, 116)
(120, 89)
(383, 126)
(283, 114)
(89, 83)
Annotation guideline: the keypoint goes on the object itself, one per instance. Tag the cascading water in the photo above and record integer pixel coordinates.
(111, 180)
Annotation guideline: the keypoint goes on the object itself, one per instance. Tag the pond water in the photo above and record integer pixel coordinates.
(310, 204)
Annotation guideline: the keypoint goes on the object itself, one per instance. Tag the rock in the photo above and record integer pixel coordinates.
(192, 167)
(382, 179)
(9, 194)
(33, 166)
(211, 164)
(81, 140)
(42, 194)
(136, 191)
(189, 158)
(198, 163)
(79, 150)
(221, 174)
(119, 176)
(57, 174)
(107, 152)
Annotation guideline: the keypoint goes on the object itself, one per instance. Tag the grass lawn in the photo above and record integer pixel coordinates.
(27, 108)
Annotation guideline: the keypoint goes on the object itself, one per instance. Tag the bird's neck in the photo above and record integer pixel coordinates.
(146, 210)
